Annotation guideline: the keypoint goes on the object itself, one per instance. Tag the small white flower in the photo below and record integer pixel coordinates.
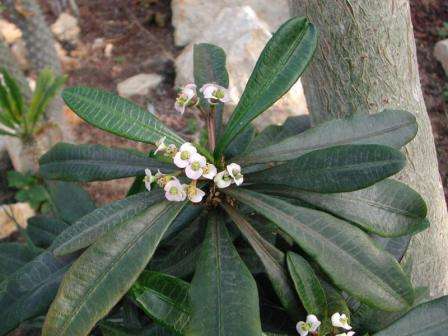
(235, 172)
(174, 191)
(187, 97)
(311, 325)
(161, 146)
(182, 157)
(149, 179)
(194, 168)
(350, 333)
(194, 194)
(215, 93)
(340, 321)
(209, 171)
(223, 179)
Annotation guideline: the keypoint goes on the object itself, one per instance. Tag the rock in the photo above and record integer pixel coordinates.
(192, 17)
(19, 211)
(242, 44)
(18, 49)
(441, 53)
(66, 28)
(138, 85)
(98, 44)
(108, 50)
(10, 31)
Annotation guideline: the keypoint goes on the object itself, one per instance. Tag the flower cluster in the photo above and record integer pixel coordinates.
(195, 168)
(212, 92)
(312, 324)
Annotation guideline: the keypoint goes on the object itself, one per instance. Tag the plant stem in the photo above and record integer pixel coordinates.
(211, 128)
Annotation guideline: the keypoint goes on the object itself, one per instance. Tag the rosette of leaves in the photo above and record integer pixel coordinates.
(317, 225)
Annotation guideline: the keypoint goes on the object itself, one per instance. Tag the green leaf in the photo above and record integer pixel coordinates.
(335, 169)
(84, 163)
(43, 230)
(12, 257)
(307, 285)
(241, 141)
(117, 115)
(20, 180)
(164, 298)
(96, 223)
(427, 319)
(272, 259)
(396, 246)
(209, 66)
(345, 253)
(14, 90)
(388, 208)
(106, 271)
(279, 66)
(115, 329)
(394, 128)
(223, 293)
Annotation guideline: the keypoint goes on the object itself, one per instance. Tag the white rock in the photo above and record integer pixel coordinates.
(19, 211)
(10, 31)
(191, 17)
(138, 85)
(242, 44)
(441, 53)
(66, 28)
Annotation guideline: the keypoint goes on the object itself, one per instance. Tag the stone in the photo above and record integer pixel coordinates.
(242, 44)
(9, 213)
(108, 50)
(138, 85)
(192, 17)
(10, 31)
(98, 44)
(441, 53)
(66, 28)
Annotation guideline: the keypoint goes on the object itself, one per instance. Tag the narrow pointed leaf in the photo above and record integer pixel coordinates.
(43, 230)
(106, 271)
(394, 128)
(89, 228)
(335, 169)
(345, 253)
(388, 208)
(84, 163)
(164, 298)
(307, 285)
(279, 66)
(223, 293)
(117, 115)
(115, 329)
(12, 257)
(272, 259)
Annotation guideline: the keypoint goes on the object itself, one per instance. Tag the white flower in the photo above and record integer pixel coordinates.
(161, 146)
(215, 93)
(182, 157)
(174, 191)
(149, 179)
(209, 171)
(350, 333)
(194, 168)
(235, 172)
(340, 321)
(187, 97)
(223, 179)
(311, 325)
(194, 194)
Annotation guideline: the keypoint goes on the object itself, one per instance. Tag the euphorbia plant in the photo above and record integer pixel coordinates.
(287, 231)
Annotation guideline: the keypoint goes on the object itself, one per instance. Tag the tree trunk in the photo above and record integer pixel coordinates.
(365, 62)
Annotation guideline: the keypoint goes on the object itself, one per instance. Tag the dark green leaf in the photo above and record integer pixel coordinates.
(396, 246)
(392, 128)
(241, 142)
(115, 329)
(42, 230)
(345, 253)
(106, 271)
(12, 257)
(335, 169)
(84, 163)
(279, 66)
(223, 293)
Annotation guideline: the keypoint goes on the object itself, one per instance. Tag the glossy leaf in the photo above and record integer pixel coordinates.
(92, 226)
(117, 115)
(106, 271)
(84, 163)
(223, 293)
(272, 259)
(43, 230)
(427, 319)
(307, 285)
(164, 298)
(335, 169)
(394, 128)
(388, 208)
(344, 252)
(279, 66)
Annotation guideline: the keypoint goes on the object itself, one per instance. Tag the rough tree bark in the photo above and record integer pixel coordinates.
(365, 62)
